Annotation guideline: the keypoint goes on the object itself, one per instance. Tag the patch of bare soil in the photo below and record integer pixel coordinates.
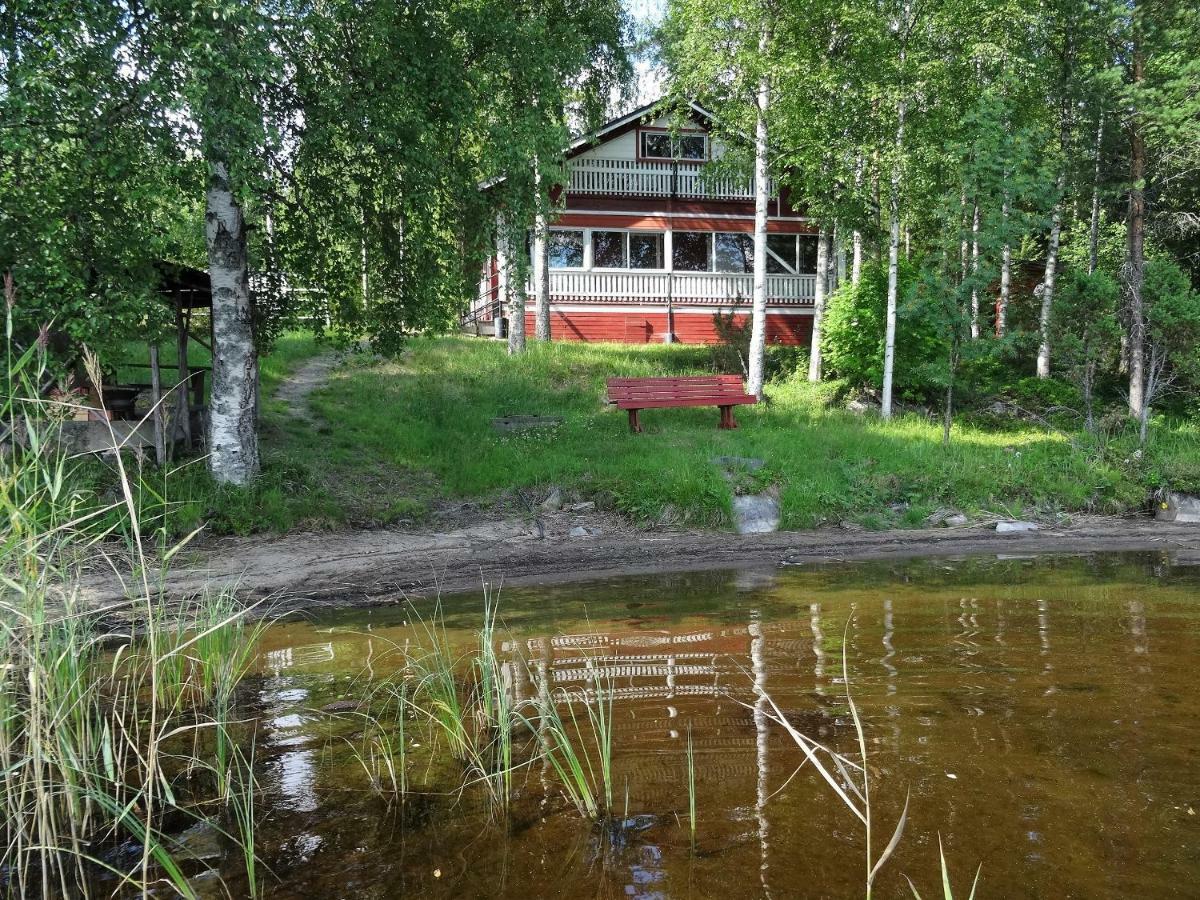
(313, 570)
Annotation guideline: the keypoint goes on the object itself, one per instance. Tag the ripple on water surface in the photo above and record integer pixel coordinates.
(1041, 712)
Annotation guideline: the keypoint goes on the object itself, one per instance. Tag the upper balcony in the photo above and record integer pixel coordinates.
(644, 178)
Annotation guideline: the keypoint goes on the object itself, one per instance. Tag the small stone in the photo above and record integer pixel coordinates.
(201, 841)
(582, 531)
(553, 501)
(749, 463)
(755, 514)
(1015, 527)
(586, 506)
(954, 520)
(338, 706)
(1178, 508)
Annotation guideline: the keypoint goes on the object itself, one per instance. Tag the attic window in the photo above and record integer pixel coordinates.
(662, 145)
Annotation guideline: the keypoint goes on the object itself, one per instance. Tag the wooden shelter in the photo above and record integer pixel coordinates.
(188, 291)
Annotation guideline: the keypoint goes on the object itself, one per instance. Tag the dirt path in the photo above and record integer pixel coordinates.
(295, 389)
(381, 566)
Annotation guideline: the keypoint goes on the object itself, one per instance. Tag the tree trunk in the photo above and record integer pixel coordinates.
(158, 413)
(233, 414)
(1005, 275)
(819, 298)
(541, 262)
(857, 239)
(758, 319)
(889, 339)
(1135, 261)
(515, 299)
(183, 413)
(975, 274)
(1094, 228)
(1043, 357)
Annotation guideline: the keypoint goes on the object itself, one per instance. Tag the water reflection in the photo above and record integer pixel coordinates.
(1016, 699)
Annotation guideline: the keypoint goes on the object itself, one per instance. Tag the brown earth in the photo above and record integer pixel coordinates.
(324, 569)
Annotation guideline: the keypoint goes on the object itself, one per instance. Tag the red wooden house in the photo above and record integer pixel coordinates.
(647, 243)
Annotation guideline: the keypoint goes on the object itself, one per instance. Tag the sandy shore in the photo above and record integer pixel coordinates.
(324, 569)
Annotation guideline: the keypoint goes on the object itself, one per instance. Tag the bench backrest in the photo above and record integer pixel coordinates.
(688, 387)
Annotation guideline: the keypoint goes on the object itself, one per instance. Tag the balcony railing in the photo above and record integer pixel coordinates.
(593, 175)
(709, 288)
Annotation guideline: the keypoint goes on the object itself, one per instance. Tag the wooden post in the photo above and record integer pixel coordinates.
(160, 438)
(182, 408)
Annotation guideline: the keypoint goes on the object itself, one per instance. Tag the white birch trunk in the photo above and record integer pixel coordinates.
(819, 298)
(975, 274)
(1043, 357)
(1005, 275)
(541, 262)
(856, 239)
(515, 298)
(1094, 225)
(502, 277)
(856, 258)
(758, 314)
(889, 338)
(233, 414)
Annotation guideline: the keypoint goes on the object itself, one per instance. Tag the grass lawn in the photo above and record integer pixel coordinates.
(402, 437)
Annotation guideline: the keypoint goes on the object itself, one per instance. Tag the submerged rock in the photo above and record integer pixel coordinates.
(755, 514)
(1015, 527)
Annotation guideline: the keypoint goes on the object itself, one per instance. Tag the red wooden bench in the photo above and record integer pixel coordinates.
(636, 394)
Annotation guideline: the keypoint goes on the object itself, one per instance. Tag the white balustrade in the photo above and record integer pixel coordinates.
(716, 288)
(597, 175)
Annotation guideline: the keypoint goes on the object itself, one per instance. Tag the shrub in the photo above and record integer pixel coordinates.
(853, 334)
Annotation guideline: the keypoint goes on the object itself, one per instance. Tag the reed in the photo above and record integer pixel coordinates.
(852, 783)
(947, 892)
(94, 726)
(585, 772)
(691, 786)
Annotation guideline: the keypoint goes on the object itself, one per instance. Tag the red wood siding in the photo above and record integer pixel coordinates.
(641, 328)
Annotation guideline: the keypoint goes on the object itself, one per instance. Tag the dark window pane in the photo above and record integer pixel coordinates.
(781, 260)
(646, 251)
(734, 253)
(689, 250)
(691, 146)
(608, 249)
(566, 249)
(808, 254)
(656, 144)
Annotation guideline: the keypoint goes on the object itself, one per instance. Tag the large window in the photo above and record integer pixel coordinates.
(627, 250)
(565, 249)
(646, 251)
(791, 254)
(609, 250)
(691, 251)
(662, 145)
(733, 253)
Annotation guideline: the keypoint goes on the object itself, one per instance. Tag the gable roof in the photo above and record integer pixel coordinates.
(616, 127)
(628, 122)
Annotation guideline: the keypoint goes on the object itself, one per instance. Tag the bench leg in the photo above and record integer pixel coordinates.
(634, 425)
(727, 420)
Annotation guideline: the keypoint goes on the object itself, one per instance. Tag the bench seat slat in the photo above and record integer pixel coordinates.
(667, 402)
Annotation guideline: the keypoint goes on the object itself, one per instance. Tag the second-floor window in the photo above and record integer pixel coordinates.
(664, 145)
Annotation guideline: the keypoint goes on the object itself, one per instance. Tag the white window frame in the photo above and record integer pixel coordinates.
(587, 251)
(674, 139)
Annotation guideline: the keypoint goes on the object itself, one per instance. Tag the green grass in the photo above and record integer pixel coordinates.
(396, 440)
(429, 412)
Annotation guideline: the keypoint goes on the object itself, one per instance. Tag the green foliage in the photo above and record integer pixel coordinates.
(852, 337)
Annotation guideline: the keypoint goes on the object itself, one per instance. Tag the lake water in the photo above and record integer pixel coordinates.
(1041, 714)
